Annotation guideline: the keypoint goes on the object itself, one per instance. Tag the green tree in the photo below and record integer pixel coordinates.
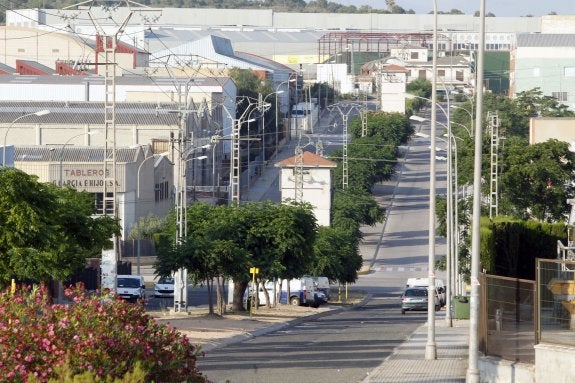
(45, 231)
(224, 242)
(537, 179)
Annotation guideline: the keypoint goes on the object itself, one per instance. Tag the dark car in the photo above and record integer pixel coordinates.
(416, 299)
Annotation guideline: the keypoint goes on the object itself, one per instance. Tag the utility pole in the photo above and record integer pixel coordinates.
(493, 121)
(108, 44)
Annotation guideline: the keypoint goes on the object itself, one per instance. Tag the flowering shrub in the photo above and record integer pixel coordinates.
(102, 335)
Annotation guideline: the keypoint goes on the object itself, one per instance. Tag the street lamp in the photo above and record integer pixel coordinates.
(473, 363)
(430, 346)
(161, 155)
(38, 113)
(277, 92)
(263, 102)
(62, 152)
(470, 116)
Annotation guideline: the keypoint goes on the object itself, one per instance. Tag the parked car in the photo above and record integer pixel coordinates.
(416, 299)
(164, 287)
(131, 287)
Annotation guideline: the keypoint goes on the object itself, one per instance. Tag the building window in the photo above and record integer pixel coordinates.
(414, 55)
(55, 50)
(422, 73)
(99, 201)
(560, 96)
(441, 72)
(21, 50)
(161, 191)
(459, 75)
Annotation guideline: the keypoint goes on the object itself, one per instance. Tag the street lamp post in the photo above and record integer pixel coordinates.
(38, 113)
(430, 347)
(262, 104)
(470, 117)
(277, 114)
(60, 181)
(473, 363)
(138, 200)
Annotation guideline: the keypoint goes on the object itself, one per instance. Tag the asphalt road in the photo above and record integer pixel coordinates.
(344, 346)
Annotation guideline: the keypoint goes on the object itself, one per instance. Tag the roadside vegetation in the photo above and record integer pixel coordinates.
(535, 182)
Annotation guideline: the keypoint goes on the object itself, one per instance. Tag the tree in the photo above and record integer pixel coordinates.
(224, 242)
(46, 231)
(537, 179)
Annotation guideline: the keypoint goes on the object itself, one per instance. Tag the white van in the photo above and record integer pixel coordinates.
(424, 282)
(131, 287)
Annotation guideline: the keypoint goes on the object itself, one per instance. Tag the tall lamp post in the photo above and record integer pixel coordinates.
(277, 114)
(62, 153)
(430, 346)
(263, 102)
(38, 113)
(138, 200)
(473, 364)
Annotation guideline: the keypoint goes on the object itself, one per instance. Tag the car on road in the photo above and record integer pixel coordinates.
(416, 299)
(164, 287)
(131, 287)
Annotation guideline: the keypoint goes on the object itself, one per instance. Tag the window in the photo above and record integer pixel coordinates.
(21, 50)
(161, 191)
(560, 96)
(55, 50)
(441, 72)
(422, 73)
(414, 55)
(99, 201)
(459, 75)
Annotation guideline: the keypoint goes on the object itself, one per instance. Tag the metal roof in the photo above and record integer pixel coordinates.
(545, 40)
(35, 153)
(128, 113)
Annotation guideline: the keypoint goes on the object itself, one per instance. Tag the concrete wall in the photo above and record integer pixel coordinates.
(554, 363)
(496, 370)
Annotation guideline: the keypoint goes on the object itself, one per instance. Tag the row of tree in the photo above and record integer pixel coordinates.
(283, 240)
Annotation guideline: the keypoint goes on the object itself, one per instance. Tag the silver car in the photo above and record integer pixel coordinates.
(415, 299)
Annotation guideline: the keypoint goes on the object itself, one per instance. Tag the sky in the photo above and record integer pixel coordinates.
(507, 8)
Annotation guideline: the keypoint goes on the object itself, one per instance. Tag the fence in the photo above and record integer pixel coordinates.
(556, 300)
(507, 320)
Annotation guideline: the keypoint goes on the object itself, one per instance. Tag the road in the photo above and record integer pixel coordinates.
(344, 346)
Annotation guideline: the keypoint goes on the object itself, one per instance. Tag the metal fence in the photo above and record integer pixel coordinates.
(507, 320)
(556, 301)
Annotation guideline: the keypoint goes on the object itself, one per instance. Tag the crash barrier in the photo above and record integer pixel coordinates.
(507, 318)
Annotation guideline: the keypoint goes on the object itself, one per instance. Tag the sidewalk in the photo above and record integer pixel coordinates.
(407, 364)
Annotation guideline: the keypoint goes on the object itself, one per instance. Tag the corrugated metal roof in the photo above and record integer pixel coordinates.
(121, 80)
(90, 113)
(210, 49)
(35, 153)
(545, 40)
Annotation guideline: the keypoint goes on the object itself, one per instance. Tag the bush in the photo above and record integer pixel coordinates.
(104, 336)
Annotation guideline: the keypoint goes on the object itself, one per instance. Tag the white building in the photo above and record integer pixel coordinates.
(316, 185)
